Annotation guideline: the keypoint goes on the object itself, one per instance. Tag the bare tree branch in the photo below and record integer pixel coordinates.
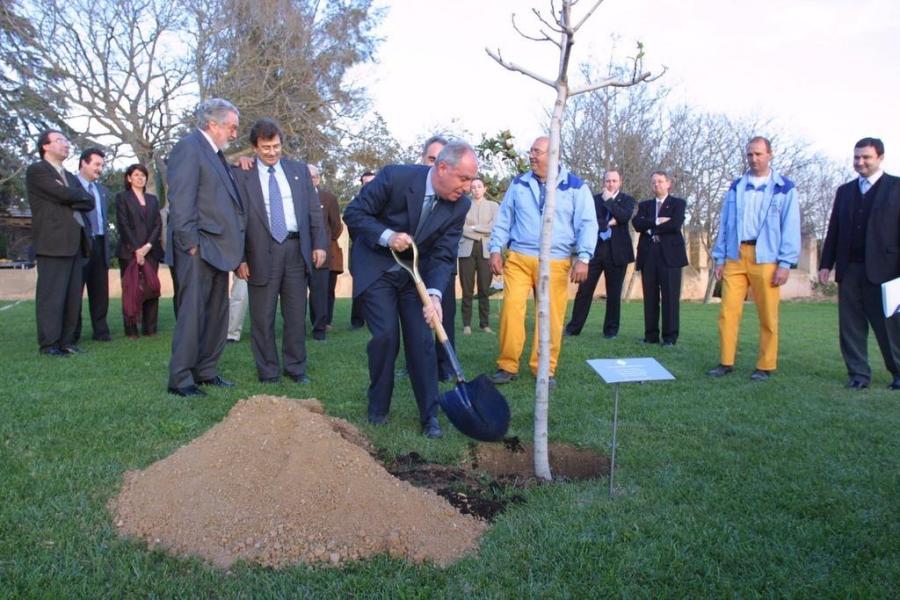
(514, 67)
(587, 15)
(544, 37)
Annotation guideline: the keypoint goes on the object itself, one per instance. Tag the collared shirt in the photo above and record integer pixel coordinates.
(211, 142)
(872, 179)
(518, 224)
(755, 207)
(287, 199)
(91, 188)
(779, 234)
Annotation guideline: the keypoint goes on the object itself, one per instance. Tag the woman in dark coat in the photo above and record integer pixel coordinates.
(139, 226)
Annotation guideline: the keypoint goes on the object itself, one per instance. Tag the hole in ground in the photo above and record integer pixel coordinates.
(485, 485)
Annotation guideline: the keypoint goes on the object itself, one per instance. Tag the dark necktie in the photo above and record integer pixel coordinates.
(95, 214)
(427, 208)
(276, 209)
(234, 185)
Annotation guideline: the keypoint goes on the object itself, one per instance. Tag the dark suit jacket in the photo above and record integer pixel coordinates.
(204, 207)
(622, 209)
(393, 200)
(334, 226)
(644, 222)
(882, 232)
(259, 242)
(56, 229)
(135, 230)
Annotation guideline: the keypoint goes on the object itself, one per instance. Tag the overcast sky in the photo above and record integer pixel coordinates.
(826, 71)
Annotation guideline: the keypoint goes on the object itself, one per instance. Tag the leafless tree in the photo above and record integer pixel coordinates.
(558, 30)
(117, 64)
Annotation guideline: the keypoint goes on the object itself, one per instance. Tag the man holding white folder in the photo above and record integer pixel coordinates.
(863, 246)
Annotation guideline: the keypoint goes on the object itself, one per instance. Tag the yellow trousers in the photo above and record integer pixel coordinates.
(520, 276)
(736, 277)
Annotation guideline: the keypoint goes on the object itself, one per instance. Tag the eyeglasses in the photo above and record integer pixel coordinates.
(534, 152)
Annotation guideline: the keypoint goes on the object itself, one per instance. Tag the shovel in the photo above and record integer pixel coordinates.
(474, 407)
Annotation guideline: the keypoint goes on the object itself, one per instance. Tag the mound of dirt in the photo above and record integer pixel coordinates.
(278, 482)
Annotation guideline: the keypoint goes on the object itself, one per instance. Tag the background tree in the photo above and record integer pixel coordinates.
(288, 60)
(560, 26)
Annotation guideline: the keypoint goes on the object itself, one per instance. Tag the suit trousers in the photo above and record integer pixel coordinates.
(95, 276)
(318, 301)
(287, 281)
(332, 285)
(475, 269)
(520, 277)
(661, 284)
(149, 309)
(202, 323)
(448, 320)
(237, 308)
(737, 276)
(57, 299)
(860, 306)
(392, 294)
(615, 278)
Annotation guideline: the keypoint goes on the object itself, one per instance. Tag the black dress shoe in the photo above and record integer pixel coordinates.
(646, 341)
(378, 419)
(567, 333)
(895, 384)
(610, 336)
(668, 344)
(760, 375)
(856, 383)
(216, 381)
(301, 379)
(187, 392)
(70, 349)
(103, 338)
(270, 379)
(54, 351)
(720, 371)
(432, 429)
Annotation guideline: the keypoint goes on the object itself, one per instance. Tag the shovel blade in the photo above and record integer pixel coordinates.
(477, 409)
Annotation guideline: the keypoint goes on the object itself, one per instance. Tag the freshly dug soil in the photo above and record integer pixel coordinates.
(512, 461)
(278, 482)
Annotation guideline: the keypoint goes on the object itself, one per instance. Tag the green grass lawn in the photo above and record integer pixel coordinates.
(727, 488)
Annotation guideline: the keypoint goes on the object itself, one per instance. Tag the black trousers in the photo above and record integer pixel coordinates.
(332, 285)
(95, 276)
(448, 308)
(57, 299)
(149, 309)
(661, 284)
(475, 269)
(615, 278)
(860, 306)
(318, 301)
(392, 295)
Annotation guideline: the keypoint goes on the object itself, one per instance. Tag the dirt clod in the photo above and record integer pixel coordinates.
(278, 482)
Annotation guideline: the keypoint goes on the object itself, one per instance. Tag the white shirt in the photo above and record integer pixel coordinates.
(287, 199)
(95, 192)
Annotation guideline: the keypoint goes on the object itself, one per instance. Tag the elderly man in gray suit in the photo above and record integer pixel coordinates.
(286, 240)
(205, 241)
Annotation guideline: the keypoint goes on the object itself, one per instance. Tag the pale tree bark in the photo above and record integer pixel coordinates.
(562, 27)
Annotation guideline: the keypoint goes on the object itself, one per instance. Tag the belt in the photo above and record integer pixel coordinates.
(293, 235)
(748, 242)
